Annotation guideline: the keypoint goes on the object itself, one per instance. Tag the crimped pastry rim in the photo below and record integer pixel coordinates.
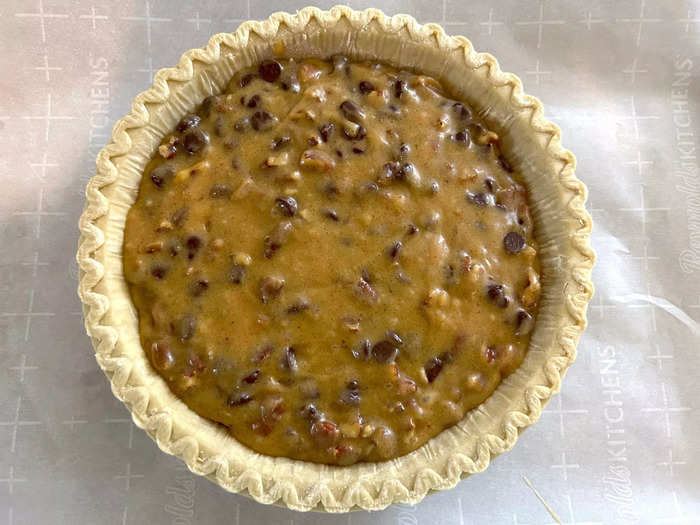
(444, 460)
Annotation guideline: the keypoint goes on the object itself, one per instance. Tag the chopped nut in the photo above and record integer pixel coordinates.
(309, 71)
(483, 139)
(378, 98)
(217, 244)
(242, 259)
(532, 290)
(317, 160)
(280, 159)
(168, 150)
(164, 226)
(437, 297)
(185, 174)
(154, 247)
(270, 288)
(244, 188)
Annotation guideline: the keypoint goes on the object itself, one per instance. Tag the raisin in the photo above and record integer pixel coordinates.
(246, 79)
(195, 139)
(161, 174)
(199, 287)
(159, 271)
(352, 111)
(326, 131)
(497, 295)
(253, 101)
(399, 88)
(288, 205)
(366, 87)
(269, 70)
(385, 351)
(252, 377)
(236, 400)
(462, 137)
(262, 120)
(433, 368)
(394, 249)
(281, 142)
(237, 274)
(513, 242)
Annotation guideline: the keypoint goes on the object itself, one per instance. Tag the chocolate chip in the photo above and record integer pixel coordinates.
(504, 164)
(394, 337)
(412, 229)
(253, 101)
(394, 250)
(246, 79)
(404, 149)
(331, 214)
(289, 360)
(352, 111)
(513, 242)
(277, 237)
(288, 205)
(490, 184)
(262, 120)
(281, 142)
(208, 103)
(199, 287)
(236, 400)
(350, 396)
(358, 134)
(366, 87)
(326, 131)
(188, 325)
(188, 121)
(159, 271)
(496, 293)
(237, 274)
(252, 377)
(241, 124)
(220, 191)
(161, 174)
(462, 137)
(269, 70)
(480, 199)
(385, 351)
(399, 87)
(193, 242)
(461, 111)
(179, 216)
(433, 368)
(195, 139)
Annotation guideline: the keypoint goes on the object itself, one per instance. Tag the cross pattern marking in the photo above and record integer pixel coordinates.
(644, 209)
(639, 163)
(491, 23)
(46, 69)
(540, 23)
(131, 427)
(149, 21)
(537, 72)
(646, 258)
(128, 476)
(35, 264)
(125, 513)
(196, 20)
(43, 165)
(589, 20)
(48, 117)
(23, 368)
(39, 213)
(670, 463)
(42, 16)
(564, 466)
(666, 410)
(11, 480)
(561, 412)
(680, 517)
(28, 315)
(658, 357)
(636, 118)
(640, 21)
(16, 423)
(632, 71)
(72, 422)
(601, 306)
(93, 17)
(148, 69)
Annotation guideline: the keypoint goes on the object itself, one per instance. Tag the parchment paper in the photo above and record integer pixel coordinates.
(618, 445)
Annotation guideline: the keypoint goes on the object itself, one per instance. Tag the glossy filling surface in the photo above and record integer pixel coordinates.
(332, 259)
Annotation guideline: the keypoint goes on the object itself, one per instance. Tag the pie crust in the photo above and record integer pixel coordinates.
(562, 226)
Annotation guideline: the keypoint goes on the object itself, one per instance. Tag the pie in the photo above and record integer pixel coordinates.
(334, 253)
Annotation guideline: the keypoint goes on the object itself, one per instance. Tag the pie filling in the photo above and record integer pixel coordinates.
(333, 260)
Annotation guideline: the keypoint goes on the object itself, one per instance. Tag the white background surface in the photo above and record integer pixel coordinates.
(618, 445)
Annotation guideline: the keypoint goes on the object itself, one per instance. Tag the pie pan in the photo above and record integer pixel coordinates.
(562, 228)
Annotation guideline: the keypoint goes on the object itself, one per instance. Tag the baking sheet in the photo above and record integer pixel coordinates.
(618, 445)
